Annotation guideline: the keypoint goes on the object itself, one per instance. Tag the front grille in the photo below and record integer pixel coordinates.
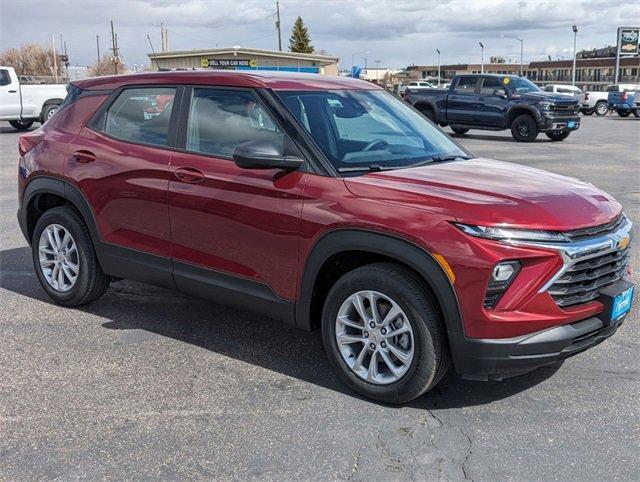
(602, 229)
(570, 109)
(583, 280)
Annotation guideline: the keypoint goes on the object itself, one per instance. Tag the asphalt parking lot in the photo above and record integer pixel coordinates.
(147, 383)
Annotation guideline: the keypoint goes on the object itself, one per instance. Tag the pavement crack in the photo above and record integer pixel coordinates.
(356, 464)
(464, 463)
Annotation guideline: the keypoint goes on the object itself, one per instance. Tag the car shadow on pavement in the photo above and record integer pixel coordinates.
(485, 137)
(129, 306)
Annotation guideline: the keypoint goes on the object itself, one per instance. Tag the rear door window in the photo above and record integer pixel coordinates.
(222, 119)
(140, 115)
(466, 85)
(491, 86)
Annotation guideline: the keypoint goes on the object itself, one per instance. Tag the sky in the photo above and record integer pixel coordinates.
(396, 33)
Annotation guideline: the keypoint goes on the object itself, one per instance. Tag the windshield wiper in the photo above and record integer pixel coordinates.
(368, 168)
(442, 158)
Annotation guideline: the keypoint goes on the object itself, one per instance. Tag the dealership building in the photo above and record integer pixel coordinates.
(239, 58)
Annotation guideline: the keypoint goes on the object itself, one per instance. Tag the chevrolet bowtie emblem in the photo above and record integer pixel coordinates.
(624, 242)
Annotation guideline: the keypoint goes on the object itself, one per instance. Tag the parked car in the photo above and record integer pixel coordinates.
(497, 102)
(563, 89)
(594, 101)
(330, 204)
(22, 105)
(415, 84)
(621, 98)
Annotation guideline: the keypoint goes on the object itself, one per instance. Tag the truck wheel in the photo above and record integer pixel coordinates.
(459, 130)
(588, 111)
(429, 114)
(624, 113)
(602, 108)
(64, 259)
(636, 113)
(524, 128)
(48, 112)
(558, 136)
(21, 125)
(383, 335)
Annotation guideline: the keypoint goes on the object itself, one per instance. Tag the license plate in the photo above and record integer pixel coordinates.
(622, 304)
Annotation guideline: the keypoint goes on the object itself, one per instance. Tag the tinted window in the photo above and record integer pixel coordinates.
(140, 115)
(490, 85)
(4, 77)
(466, 85)
(220, 120)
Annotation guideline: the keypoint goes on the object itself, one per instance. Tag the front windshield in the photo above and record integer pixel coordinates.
(368, 128)
(523, 86)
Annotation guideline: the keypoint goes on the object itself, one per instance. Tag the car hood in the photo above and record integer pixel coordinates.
(488, 192)
(550, 97)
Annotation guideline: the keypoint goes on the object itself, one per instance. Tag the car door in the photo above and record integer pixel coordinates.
(494, 100)
(462, 101)
(120, 162)
(234, 231)
(9, 96)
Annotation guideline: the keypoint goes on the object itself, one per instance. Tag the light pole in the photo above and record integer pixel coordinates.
(521, 49)
(481, 57)
(575, 36)
(353, 56)
(438, 50)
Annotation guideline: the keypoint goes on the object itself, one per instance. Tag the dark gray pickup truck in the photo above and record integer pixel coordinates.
(498, 102)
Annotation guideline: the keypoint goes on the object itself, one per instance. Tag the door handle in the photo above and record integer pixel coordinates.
(189, 174)
(84, 156)
(13, 91)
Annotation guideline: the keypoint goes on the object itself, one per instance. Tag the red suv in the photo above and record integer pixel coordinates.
(327, 203)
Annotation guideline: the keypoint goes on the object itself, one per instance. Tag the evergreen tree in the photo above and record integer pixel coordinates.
(300, 41)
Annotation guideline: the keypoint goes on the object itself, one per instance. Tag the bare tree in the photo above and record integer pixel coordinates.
(105, 66)
(31, 59)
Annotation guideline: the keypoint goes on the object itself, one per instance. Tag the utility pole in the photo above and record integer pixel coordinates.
(55, 55)
(481, 57)
(114, 48)
(98, 47)
(278, 26)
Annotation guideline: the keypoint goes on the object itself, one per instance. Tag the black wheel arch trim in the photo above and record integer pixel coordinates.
(375, 242)
(518, 109)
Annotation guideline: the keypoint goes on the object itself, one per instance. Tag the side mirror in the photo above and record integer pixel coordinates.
(262, 154)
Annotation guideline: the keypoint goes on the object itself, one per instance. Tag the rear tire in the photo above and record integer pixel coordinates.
(602, 108)
(426, 338)
(636, 113)
(90, 282)
(588, 111)
(21, 125)
(429, 114)
(460, 130)
(524, 128)
(624, 113)
(558, 136)
(48, 111)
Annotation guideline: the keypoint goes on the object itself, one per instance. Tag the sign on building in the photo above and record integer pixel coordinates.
(228, 63)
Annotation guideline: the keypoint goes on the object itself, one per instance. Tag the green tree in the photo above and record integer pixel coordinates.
(300, 41)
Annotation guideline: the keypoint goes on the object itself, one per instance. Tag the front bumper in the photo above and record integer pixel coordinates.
(559, 123)
(484, 359)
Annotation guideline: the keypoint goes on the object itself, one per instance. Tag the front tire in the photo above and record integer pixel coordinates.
(460, 130)
(64, 258)
(524, 128)
(558, 136)
(624, 113)
(48, 112)
(588, 111)
(602, 108)
(21, 125)
(382, 333)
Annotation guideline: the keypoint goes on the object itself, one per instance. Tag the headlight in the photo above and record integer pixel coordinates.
(545, 105)
(512, 234)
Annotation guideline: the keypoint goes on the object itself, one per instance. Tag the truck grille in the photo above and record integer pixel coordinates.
(582, 282)
(569, 110)
(602, 229)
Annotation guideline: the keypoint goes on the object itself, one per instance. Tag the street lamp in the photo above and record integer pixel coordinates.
(575, 36)
(521, 49)
(353, 56)
(438, 50)
(481, 57)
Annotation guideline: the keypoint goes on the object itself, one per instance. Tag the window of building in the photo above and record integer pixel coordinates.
(220, 120)
(140, 115)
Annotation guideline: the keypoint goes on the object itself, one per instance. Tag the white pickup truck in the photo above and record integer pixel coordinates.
(22, 105)
(591, 102)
